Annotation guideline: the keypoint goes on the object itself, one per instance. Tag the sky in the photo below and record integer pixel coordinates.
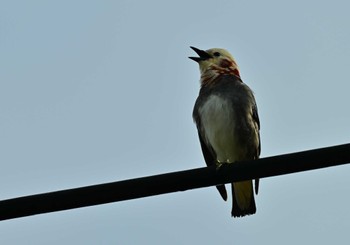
(100, 91)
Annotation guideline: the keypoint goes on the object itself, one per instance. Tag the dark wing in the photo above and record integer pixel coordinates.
(208, 153)
(210, 160)
(256, 119)
(209, 156)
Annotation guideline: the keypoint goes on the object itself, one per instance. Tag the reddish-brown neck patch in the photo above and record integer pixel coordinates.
(226, 67)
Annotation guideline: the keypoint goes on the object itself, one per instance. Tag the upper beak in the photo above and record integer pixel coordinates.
(202, 55)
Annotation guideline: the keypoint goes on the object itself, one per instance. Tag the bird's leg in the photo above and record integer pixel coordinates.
(218, 165)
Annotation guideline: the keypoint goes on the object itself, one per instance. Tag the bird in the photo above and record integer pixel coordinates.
(226, 116)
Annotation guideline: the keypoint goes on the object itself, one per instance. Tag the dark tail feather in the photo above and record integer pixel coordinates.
(237, 211)
(256, 186)
(222, 190)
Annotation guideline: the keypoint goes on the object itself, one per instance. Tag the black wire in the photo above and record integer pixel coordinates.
(172, 182)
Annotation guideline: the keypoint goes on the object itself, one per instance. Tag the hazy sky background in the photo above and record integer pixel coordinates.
(100, 91)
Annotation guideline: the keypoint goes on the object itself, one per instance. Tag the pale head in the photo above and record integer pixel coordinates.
(214, 62)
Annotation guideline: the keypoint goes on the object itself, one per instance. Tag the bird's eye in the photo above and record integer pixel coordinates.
(217, 54)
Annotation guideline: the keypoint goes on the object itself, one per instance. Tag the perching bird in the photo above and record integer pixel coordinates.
(227, 120)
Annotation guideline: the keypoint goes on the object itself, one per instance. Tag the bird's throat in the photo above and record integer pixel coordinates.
(210, 76)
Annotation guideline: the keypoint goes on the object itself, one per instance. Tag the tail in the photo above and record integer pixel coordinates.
(243, 202)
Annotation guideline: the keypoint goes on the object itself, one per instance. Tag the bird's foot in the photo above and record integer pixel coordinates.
(218, 165)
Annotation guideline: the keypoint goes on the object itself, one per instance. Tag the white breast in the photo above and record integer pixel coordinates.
(218, 122)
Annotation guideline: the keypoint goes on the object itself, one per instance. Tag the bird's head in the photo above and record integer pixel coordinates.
(214, 62)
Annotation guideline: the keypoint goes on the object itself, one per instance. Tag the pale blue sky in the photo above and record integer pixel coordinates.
(100, 91)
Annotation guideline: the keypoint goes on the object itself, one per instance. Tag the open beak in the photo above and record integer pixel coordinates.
(202, 55)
